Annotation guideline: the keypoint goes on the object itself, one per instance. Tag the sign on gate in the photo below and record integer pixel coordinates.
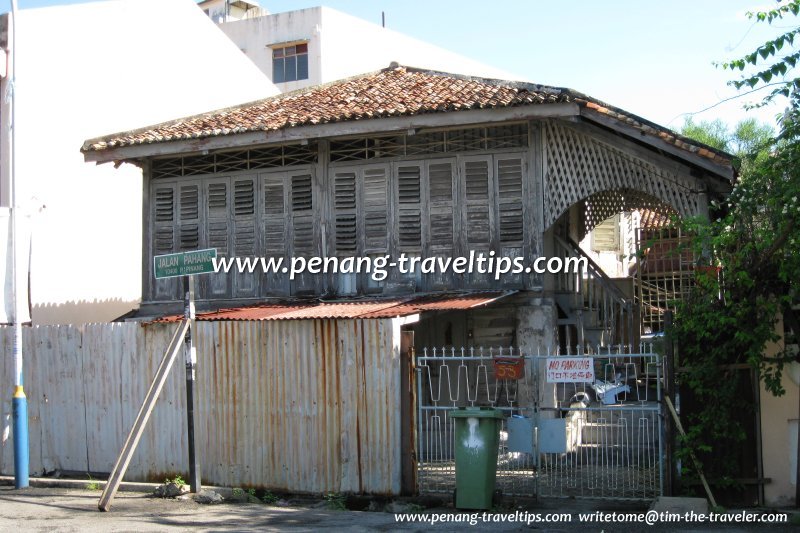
(509, 367)
(570, 370)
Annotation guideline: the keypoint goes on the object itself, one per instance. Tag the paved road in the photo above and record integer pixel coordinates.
(68, 510)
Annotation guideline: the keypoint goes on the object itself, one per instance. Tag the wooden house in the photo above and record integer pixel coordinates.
(421, 163)
(417, 164)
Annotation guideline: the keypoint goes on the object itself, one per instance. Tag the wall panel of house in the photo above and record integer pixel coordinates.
(301, 406)
(435, 195)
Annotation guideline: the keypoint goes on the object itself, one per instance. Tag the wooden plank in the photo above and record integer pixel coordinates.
(139, 424)
(360, 127)
(691, 453)
(408, 481)
(533, 194)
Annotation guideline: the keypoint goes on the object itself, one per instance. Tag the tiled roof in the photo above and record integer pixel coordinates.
(392, 92)
(377, 308)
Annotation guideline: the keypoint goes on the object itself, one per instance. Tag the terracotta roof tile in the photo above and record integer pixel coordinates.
(392, 92)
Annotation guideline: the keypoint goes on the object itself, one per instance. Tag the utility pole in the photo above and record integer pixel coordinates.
(19, 403)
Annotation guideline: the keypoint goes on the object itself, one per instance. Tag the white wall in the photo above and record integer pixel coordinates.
(340, 46)
(253, 36)
(779, 418)
(92, 69)
(352, 46)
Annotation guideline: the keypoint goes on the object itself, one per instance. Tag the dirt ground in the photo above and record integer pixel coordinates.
(75, 510)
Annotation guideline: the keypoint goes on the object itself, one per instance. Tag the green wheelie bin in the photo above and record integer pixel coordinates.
(476, 440)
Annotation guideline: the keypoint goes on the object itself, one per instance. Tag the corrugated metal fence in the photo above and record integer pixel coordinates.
(304, 406)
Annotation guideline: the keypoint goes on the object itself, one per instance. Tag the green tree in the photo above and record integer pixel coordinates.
(713, 133)
(747, 141)
(754, 236)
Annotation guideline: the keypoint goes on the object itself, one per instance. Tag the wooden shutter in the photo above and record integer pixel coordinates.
(245, 241)
(188, 217)
(164, 215)
(477, 202)
(440, 207)
(275, 241)
(439, 214)
(408, 213)
(605, 236)
(509, 185)
(345, 213)
(276, 229)
(217, 230)
(304, 237)
(302, 215)
(375, 208)
(163, 219)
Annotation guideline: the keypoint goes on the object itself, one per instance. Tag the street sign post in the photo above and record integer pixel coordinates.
(186, 264)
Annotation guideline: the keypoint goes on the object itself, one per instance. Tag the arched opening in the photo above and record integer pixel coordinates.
(637, 268)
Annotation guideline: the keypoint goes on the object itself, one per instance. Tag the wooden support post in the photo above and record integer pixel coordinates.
(141, 419)
(671, 476)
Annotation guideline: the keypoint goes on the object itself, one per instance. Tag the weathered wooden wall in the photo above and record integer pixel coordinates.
(305, 406)
(442, 194)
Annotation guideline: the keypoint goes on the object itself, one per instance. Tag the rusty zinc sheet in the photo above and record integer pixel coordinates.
(300, 406)
(365, 308)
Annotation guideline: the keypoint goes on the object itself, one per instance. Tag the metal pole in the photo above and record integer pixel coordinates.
(191, 364)
(19, 403)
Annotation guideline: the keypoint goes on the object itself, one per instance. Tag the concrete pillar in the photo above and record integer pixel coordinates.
(537, 330)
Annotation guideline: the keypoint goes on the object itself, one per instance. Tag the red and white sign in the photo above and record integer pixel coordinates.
(570, 370)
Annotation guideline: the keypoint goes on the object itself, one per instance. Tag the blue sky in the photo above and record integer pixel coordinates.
(653, 58)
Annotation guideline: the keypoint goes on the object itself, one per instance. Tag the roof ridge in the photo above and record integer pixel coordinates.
(393, 91)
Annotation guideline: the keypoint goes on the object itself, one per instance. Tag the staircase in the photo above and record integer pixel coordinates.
(594, 311)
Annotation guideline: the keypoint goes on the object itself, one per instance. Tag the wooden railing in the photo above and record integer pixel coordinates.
(595, 300)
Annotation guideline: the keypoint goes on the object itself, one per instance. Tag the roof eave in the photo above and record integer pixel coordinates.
(331, 129)
(725, 172)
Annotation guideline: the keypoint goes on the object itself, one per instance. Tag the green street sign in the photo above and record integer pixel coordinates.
(184, 263)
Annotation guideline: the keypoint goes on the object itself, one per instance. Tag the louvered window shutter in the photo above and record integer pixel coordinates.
(218, 224)
(217, 195)
(375, 206)
(244, 232)
(302, 215)
(509, 185)
(476, 183)
(344, 205)
(188, 218)
(440, 183)
(408, 212)
(163, 224)
(605, 236)
(164, 219)
(275, 242)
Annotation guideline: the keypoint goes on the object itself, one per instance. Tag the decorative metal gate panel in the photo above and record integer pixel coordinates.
(601, 438)
(447, 379)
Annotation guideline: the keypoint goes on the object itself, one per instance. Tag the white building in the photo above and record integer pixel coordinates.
(83, 70)
(307, 47)
(229, 10)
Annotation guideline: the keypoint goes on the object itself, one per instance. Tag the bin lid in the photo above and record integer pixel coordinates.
(476, 412)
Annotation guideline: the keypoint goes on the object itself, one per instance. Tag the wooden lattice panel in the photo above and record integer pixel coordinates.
(606, 204)
(579, 167)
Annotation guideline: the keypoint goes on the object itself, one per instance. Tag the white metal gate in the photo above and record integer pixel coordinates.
(597, 439)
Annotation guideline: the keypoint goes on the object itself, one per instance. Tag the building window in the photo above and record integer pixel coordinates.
(290, 63)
